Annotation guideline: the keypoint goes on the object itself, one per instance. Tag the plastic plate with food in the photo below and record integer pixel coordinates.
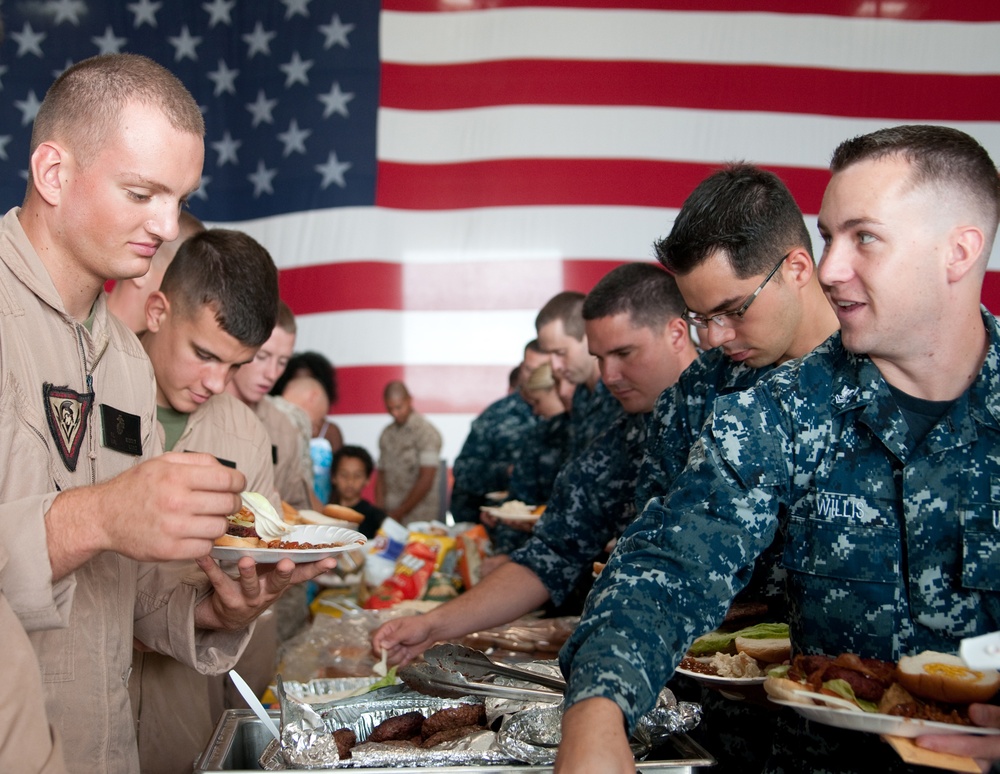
(318, 541)
(877, 723)
(715, 680)
(514, 510)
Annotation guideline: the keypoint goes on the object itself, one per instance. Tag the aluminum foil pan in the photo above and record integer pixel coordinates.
(327, 690)
(533, 735)
(529, 731)
(307, 741)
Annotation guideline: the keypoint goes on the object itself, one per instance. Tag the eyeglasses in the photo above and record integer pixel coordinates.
(722, 318)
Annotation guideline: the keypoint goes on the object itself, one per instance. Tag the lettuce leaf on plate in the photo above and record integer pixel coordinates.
(721, 642)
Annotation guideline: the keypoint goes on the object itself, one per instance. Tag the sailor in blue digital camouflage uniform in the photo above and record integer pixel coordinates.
(877, 454)
(755, 312)
(635, 329)
(495, 438)
(563, 336)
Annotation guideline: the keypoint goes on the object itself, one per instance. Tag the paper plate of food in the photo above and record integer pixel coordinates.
(924, 694)
(257, 531)
(736, 663)
(514, 510)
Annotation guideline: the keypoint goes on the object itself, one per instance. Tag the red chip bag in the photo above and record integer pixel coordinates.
(409, 581)
(473, 547)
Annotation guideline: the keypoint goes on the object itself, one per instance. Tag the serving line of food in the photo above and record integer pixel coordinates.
(508, 724)
(928, 693)
(455, 712)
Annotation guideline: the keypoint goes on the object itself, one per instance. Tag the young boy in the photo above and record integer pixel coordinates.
(215, 307)
(352, 470)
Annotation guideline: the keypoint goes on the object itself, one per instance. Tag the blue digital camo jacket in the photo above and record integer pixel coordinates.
(490, 450)
(679, 414)
(892, 547)
(592, 501)
(592, 413)
(595, 496)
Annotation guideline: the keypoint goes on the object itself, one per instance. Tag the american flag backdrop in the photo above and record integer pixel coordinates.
(427, 173)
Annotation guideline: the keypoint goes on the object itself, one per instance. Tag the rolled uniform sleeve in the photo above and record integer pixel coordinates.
(165, 621)
(657, 593)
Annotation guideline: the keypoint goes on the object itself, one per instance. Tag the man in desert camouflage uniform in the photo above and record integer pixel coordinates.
(494, 441)
(875, 454)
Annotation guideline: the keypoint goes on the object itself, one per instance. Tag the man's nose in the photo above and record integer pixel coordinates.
(165, 223)
(834, 266)
(717, 335)
(215, 378)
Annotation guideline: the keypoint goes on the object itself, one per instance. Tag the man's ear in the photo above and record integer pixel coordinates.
(157, 311)
(679, 333)
(799, 267)
(965, 251)
(46, 164)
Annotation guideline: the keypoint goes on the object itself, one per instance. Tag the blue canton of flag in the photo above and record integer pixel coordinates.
(289, 91)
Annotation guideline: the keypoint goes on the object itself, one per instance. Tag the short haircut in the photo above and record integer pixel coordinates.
(395, 389)
(319, 368)
(285, 318)
(83, 108)
(567, 307)
(533, 346)
(231, 273)
(644, 291)
(355, 452)
(743, 211)
(514, 377)
(941, 156)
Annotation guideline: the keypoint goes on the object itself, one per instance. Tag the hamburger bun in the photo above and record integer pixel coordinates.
(768, 651)
(783, 689)
(240, 542)
(343, 513)
(944, 677)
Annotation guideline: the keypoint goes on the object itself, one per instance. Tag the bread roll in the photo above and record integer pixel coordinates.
(768, 651)
(240, 542)
(343, 513)
(944, 677)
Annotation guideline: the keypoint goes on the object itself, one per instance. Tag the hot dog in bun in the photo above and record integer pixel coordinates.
(343, 513)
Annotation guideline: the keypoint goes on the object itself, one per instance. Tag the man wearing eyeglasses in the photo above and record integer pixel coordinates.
(753, 312)
(877, 455)
(742, 256)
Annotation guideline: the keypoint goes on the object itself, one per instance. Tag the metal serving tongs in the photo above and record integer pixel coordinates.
(476, 664)
(434, 681)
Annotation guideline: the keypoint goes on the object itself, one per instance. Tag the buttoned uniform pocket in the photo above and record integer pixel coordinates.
(843, 580)
(981, 546)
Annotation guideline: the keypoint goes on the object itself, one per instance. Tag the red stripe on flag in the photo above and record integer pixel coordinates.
(695, 86)
(949, 10)
(525, 182)
(342, 286)
(499, 284)
(991, 292)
